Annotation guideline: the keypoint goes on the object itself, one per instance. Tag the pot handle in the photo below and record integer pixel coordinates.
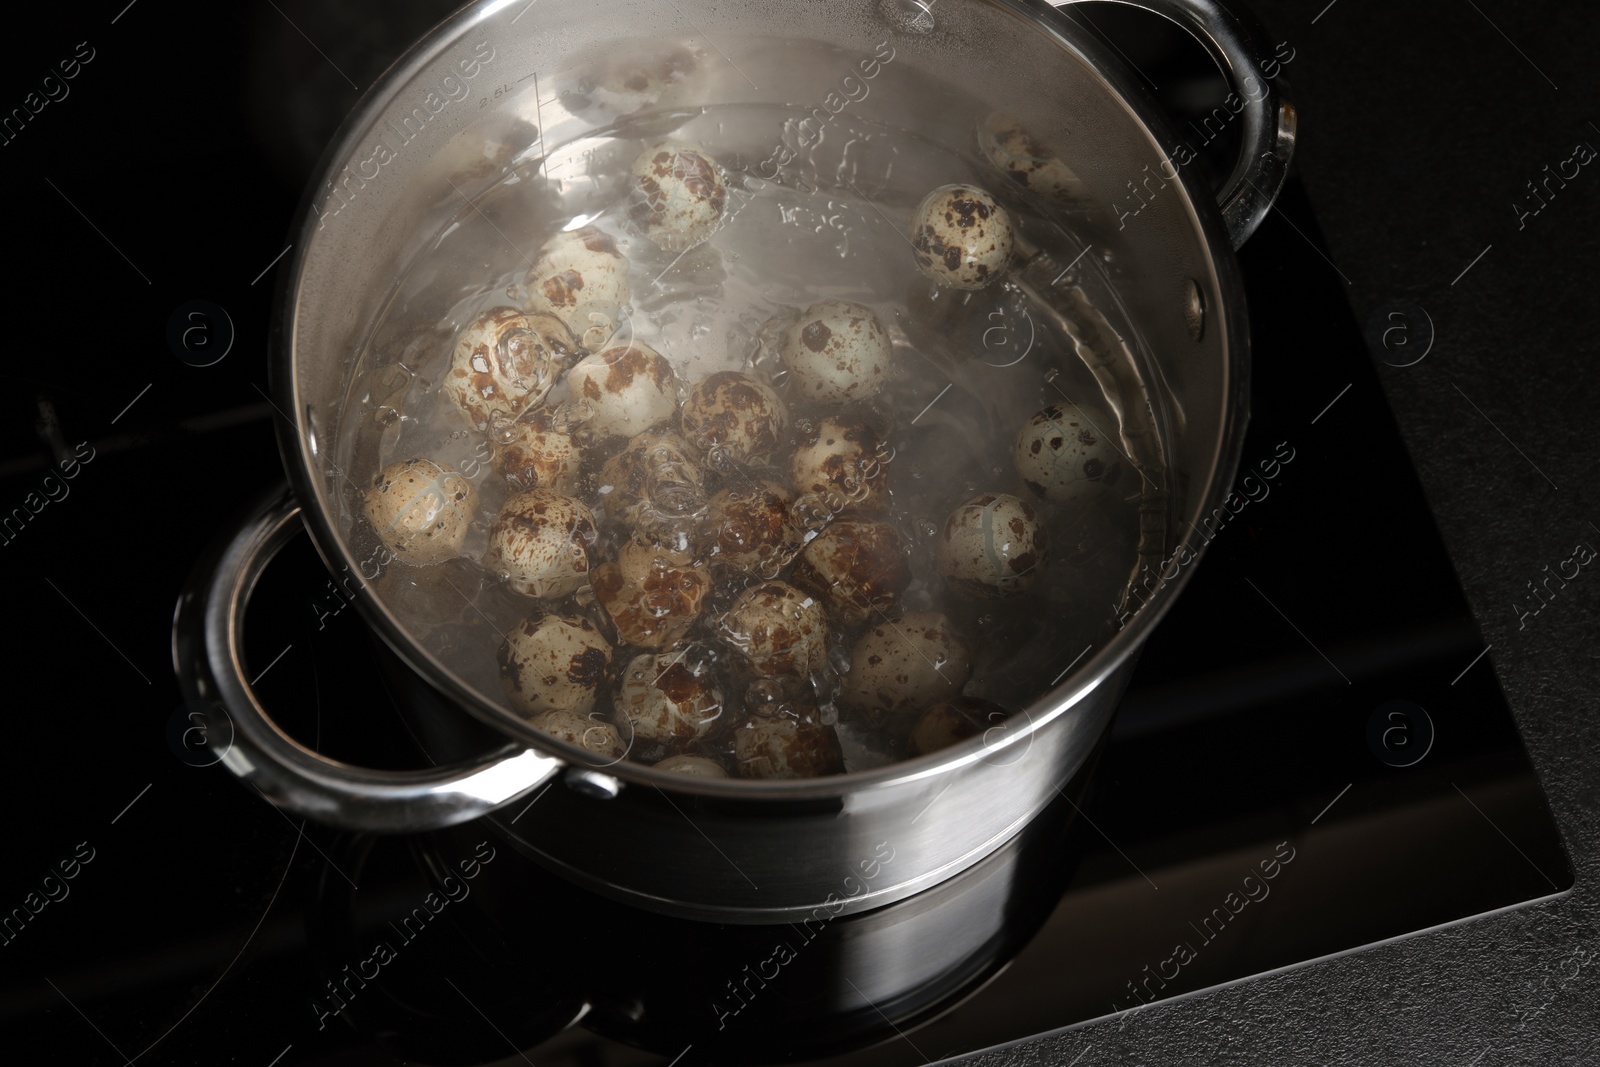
(206, 642)
(1240, 46)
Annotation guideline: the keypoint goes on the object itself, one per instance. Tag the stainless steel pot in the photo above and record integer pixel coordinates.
(736, 850)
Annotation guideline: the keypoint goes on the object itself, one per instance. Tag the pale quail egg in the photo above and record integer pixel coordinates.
(947, 724)
(751, 526)
(535, 454)
(505, 363)
(692, 767)
(678, 195)
(779, 629)
(903, 666)
(585, 731)
(962, 237)
(786, 747)
(652, 594)
(541, 542)
(671, 698)
(652, 482)
(1026, 161)
(1065, 453)
(837, 352)
(992, 545)
(554, 663)
(421, 510)
(628, 82)
(842, 461)
(734, 417)
(582, 279)
(622, 391)
(857, 566)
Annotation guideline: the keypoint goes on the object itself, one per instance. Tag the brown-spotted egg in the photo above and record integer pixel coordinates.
(670, 698)
(1027, 161)
(842, 461)
(678, 195)
(780, 630)
(622, 392)
(752, 527)
(505, 362)
(534, 453)
(857, 566)
(654, 485)
(587, 731)
(962, 238)
(787, 747)
(692, 767)
(582, 279)
(904, 665)
(993, 545)
(421, 510)
(554, 663)
(541, 542)
(950, 723)
(837, 352)
(652, 593)
(1065, 453)
(733, 417)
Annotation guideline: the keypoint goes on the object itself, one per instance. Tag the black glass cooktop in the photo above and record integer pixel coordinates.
(1314, 757)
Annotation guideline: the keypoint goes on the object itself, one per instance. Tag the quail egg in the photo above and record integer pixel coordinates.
(837, 352)
(671, 698)
(622, 391)
(786, 747)
(534, 454)
(653, 594)
(992, 545)
(541, 542)
(692, 767)
(962, 237)
(628, 82)
(904, 666)
(780, 630)
(1065, 453)
(733, 417)
(505, 363)
(842, 461)
(654, 485)
(421, 510)
(950, 723)
(1026, 161)
(751, 526)
(554, 663)
(857, 566)
(586, 731)
(678, 195)
(582, 279)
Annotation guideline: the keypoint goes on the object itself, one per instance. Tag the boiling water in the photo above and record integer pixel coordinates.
(969, 371)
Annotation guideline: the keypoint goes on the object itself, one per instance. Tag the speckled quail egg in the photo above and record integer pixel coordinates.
(586, 731)
(905, 665)
(505, 362)
(653, 594)
(842, 461)
(582, 279)
(952, 722)
(692, 767)
(857, 567)
(671, 698)
(786, 747)
(1066, 453)
(992, 545)
(1026, 161)
(554, 663)
(421, 510)
(837, 352)
(621, 392)
(751, 526)
(678, 195)
(652, 482)
(779, 630)
(962, 237)
(535, 454)
(541, 542)
(732, 417)
(631, 81)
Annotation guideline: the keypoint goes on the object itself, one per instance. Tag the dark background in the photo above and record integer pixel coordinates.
(171, 171)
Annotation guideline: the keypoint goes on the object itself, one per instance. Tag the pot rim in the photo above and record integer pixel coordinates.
(298, 450)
